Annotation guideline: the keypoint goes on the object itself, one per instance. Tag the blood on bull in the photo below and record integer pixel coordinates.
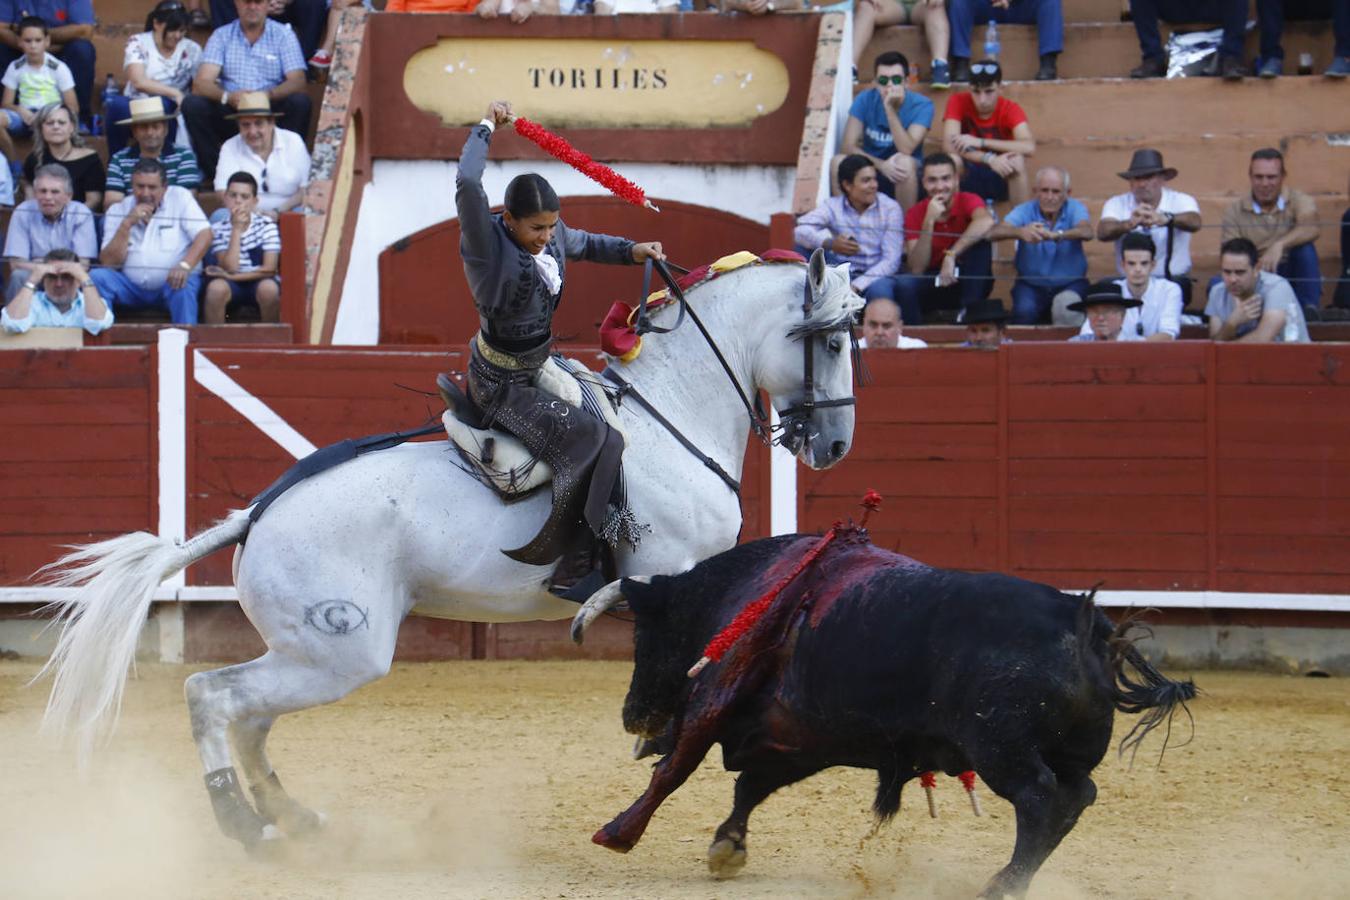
(869, 659)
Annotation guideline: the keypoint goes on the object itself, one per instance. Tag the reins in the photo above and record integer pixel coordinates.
(794, 421)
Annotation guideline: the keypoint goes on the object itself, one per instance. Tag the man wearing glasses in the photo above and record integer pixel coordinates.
(887, 124)
(58, 294)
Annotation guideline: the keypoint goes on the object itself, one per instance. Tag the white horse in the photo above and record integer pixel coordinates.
(338, 561)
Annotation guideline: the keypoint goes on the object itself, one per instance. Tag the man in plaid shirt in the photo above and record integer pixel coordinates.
(254, 53)
(246, 247)
(863, 228)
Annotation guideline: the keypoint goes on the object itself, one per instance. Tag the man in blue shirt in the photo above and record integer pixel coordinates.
(1050, 231)
(253, 53)
(60, 295)
(887, 124)
(70, 26)
(308, 18)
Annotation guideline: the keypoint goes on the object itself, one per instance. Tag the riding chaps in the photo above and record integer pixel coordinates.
(502, 386)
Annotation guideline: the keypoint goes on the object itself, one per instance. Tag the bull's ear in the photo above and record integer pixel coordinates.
(643, 598)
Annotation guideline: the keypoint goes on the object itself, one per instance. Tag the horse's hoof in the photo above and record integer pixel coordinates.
(611, 841)
(269, 846)
(303, 822)
(726, 858)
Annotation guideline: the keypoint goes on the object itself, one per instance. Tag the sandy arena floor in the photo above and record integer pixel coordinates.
(487, 780)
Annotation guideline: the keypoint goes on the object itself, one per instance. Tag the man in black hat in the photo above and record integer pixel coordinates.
(986, 324)
(1111, 314)
(1169, 217)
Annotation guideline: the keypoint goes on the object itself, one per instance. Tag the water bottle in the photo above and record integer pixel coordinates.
(991, 44)
(110, 92)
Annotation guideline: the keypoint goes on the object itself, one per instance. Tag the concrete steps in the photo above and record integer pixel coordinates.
(1091, 49)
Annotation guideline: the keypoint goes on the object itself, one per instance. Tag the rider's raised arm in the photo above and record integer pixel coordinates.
(477, 240)
(604, 248)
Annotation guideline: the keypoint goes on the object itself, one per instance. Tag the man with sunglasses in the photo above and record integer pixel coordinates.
(887, 124)
(989, 137)
(57, 294)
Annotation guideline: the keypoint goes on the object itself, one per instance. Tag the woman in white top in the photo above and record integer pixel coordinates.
(159, 62)
(275, 157)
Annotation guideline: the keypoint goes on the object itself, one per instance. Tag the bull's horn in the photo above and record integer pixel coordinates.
(599, 603)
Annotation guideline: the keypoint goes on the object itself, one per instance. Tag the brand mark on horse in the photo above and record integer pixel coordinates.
(336, 617)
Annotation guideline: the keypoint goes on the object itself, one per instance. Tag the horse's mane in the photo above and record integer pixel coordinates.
(837, 306)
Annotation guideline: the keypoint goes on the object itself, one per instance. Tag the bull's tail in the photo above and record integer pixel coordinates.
(1141, 688)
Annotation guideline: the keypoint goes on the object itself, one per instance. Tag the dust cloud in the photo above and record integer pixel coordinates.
(487, 779)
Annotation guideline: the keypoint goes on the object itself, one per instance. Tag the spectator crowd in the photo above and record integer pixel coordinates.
(223, 127)
(919, 231)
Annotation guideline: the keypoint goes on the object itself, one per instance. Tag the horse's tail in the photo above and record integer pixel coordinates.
(1141, 688)
(100, 622)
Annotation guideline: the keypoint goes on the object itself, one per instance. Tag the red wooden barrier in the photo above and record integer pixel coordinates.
(77, 451)
(1165, 467)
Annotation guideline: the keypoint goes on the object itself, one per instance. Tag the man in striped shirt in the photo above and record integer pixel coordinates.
(149, 130)
(246, 247)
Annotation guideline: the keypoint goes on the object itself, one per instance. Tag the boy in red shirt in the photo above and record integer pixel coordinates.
(989, 137)
(947, 257)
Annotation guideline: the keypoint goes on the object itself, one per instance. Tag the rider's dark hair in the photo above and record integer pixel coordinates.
(529, 194)
(1138, 240)
(851, 166)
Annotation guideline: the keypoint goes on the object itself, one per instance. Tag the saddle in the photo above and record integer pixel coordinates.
(497, 458)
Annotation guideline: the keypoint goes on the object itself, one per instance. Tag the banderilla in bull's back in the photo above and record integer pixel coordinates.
(870, 659)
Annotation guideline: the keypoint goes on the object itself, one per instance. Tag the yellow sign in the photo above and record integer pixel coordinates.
(599, 84)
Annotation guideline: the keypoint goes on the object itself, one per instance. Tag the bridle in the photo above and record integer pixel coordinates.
(794, 423)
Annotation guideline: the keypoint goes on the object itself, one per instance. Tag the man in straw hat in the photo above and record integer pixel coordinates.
(149, 134)
(253, 53)
(1112, 314)
(275, 157)
(1169, 217)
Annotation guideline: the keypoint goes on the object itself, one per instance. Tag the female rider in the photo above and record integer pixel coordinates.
(515, 263)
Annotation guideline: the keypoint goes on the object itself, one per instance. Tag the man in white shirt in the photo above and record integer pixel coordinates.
(1169, 217)
(153, 244)
(276, 158)
(1159, 319)
(883, 328)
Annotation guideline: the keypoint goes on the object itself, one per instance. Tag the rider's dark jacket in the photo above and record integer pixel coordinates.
(515, 310)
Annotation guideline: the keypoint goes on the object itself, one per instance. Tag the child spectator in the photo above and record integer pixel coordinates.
(59, 295)
(35, 79)
(988, 136)
(245, 247)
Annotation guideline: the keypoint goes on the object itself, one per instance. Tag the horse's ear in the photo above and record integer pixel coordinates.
(816, 269)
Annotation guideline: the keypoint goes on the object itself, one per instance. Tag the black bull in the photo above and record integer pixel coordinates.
(870, 659)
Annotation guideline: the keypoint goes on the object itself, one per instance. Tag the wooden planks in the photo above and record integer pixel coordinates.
(77, 451)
